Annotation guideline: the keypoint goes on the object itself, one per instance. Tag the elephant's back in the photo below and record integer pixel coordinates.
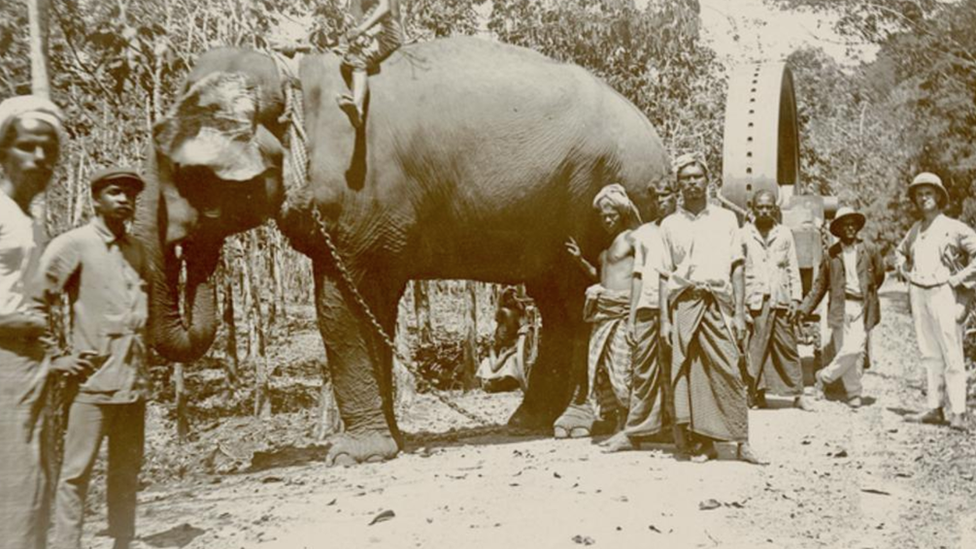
(499, 132)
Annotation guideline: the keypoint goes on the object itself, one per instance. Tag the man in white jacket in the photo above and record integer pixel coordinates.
(936, 257)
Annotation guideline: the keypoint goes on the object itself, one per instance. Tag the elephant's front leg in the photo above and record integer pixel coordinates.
(361, 366)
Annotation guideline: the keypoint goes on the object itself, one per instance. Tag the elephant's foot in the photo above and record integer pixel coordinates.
(576, 422)
(351, 448)
(523, 420)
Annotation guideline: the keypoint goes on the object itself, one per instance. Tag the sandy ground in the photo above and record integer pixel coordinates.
(837, 478)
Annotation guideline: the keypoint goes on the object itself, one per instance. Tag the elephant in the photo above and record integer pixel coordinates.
(477, 160)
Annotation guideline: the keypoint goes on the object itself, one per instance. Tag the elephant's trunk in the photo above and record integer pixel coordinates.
(179, 336)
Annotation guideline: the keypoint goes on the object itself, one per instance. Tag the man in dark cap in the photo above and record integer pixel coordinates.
(852, 271)
(103, 270)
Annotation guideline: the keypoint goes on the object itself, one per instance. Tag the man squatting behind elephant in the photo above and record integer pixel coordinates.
(103, 270)
(31, 136)
(703, 316)
(773, 295)
(607, 308)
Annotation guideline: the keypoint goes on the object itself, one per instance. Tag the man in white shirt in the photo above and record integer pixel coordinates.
(936, 257)
(31, 135)
(852, 271)
(703, 300)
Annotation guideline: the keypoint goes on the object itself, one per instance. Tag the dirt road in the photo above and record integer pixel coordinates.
(837, 478)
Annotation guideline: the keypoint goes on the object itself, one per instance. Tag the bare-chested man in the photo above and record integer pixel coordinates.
(607, 308)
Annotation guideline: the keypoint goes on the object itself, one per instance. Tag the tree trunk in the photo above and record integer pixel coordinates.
(233, 363)
(330, 422)
(471, 337)
(404, 381)
(37, 13)
(421, 310)
(182, 421)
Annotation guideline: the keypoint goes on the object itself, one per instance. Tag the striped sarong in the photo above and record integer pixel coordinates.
(709, 396)
(24, 490)
(774, 362)
(609, 360)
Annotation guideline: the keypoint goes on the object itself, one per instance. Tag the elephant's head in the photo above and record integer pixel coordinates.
(213, 169)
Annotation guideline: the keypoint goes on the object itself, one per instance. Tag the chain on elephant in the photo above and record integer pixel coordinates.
(298, 176)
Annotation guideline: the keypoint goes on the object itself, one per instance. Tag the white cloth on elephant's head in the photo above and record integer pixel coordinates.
(617, 196)
(214, 125)
(35, 107)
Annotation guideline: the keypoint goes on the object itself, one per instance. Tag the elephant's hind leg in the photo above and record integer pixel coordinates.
(361, 369)
(561, 364)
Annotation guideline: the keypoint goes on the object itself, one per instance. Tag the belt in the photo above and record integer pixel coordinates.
(852, 297)
(926, 286)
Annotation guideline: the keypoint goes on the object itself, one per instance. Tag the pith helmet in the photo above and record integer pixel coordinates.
(928, 178)
(846, 212)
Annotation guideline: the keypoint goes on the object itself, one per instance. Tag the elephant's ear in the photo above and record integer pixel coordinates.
(214, 125)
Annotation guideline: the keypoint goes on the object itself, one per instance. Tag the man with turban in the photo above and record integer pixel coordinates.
(607, 309)
(31, 134)
(703, 315)
(649, 396)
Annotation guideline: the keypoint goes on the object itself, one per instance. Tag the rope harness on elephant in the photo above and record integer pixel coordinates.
(297, 177)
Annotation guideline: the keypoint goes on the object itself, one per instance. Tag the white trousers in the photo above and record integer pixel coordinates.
(940, 340)
(850, 344)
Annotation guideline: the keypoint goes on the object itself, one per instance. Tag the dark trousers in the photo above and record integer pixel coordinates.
(88, 424)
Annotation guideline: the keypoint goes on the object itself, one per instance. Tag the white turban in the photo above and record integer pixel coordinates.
(34, 107)
(688, 159)
(617, 196)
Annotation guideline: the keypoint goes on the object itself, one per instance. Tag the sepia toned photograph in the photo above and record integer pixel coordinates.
(500, 274)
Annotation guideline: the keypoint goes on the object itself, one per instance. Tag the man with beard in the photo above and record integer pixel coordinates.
(103, 270)
(651, 375)
(852, 270)
(31, 136)
(937, 258)
(607, 308)
(703, 316)
(773, 293)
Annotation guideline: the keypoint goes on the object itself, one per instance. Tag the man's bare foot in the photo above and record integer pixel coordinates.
(348, 106)
(705, 451)
(619, 442)
(802, 403)
(746, 454)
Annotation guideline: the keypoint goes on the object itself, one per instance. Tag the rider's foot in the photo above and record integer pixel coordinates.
(348, 106)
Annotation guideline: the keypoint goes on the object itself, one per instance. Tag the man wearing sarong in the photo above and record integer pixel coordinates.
(648, 395)
(773, 294)
(703, 315)
(31, 136)
(938, 258)
(607, 308)
(852, 270)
